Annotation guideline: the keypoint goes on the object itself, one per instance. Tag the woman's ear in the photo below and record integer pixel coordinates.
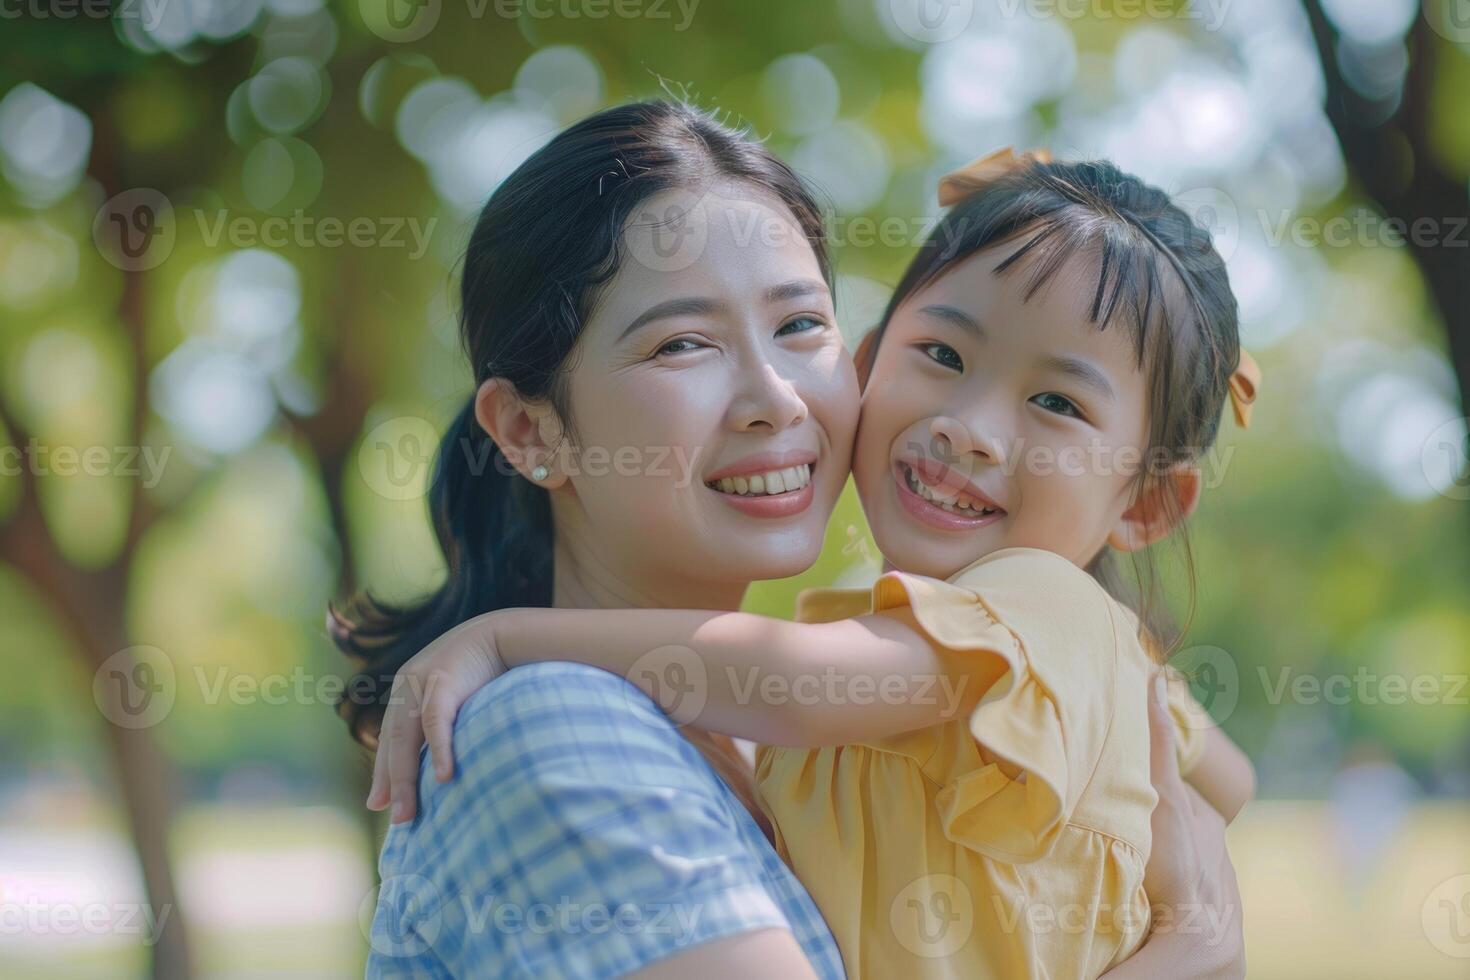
(1165, 503)
(526, 431)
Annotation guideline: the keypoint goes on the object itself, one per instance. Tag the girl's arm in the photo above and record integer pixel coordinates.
(767, 952)
(1223, 775)
(738, 674)
(755, 677)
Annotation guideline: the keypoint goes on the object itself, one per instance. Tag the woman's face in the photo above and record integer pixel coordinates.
(713, 401)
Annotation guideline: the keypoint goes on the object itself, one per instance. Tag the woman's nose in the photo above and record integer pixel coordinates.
(768, 400)
(966, 440)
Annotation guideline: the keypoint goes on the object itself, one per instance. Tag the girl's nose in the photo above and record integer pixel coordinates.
(965, 440)
(768, 400)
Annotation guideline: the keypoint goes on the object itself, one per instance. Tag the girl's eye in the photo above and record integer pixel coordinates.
(944, 354)
(1060, 404)
(795, 326)
(672, 347)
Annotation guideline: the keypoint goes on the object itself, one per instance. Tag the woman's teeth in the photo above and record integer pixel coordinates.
(776, 481)
(944, 503)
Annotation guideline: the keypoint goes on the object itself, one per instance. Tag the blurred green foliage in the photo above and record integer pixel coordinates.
(1307, 560)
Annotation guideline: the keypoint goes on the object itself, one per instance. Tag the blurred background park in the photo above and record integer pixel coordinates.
(228, 238)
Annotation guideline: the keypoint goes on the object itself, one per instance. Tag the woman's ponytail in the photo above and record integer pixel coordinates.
(494, 528)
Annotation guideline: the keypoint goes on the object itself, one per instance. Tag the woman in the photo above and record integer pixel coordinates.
(647, 310)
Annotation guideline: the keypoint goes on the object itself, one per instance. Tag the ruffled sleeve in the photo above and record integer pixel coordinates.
(1012, 773)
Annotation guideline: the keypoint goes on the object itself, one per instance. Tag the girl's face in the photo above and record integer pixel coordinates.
(710, 374)
(992, 422)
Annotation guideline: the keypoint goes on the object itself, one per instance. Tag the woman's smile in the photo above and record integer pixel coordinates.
(773, 484)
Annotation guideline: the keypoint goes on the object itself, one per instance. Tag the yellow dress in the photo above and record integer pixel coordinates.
(1008, 844)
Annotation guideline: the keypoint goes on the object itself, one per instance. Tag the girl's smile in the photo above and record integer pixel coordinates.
(938, 496)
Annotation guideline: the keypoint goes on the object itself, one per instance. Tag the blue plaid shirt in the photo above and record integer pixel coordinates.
(582, 836)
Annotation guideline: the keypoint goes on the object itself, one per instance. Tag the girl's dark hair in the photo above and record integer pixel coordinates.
(545, 243)
(1155, 270)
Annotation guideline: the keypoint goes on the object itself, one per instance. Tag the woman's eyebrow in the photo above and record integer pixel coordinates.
(795, 289)
(685, 306)
(1081, 371)
(956, 316)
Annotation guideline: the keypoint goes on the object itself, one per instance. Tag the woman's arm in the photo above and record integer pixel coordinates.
(1197, 928)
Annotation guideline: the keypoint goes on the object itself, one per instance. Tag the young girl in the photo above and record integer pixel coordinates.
(960, 775)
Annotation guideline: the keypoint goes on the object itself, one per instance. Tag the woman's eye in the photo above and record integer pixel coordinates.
(944, 354)
(672, 347)
(1060, 404)
(802, 324)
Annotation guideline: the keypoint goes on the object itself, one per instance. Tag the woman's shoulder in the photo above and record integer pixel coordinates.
(571, 786)
(562, 728)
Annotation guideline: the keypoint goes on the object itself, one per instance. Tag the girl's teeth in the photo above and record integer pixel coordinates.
(944, 503)
(776, 481)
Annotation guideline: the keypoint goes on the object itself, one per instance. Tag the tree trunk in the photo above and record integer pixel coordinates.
(1374, 154)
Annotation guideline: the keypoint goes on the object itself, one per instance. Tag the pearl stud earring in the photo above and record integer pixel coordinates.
(540, 473)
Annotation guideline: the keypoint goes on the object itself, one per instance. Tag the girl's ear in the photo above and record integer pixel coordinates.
(526, 431)
(1164, 504)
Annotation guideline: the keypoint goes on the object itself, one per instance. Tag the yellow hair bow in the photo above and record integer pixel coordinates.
(979, 174)
(1243, 385)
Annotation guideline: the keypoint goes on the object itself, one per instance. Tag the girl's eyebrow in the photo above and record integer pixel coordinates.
(956, 316)
(1083, 372)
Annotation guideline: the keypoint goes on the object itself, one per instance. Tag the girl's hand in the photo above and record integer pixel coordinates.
(1189, 878)
(427, 693)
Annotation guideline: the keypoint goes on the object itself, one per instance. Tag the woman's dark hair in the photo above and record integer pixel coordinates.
(1155, 270)
(545, 243)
